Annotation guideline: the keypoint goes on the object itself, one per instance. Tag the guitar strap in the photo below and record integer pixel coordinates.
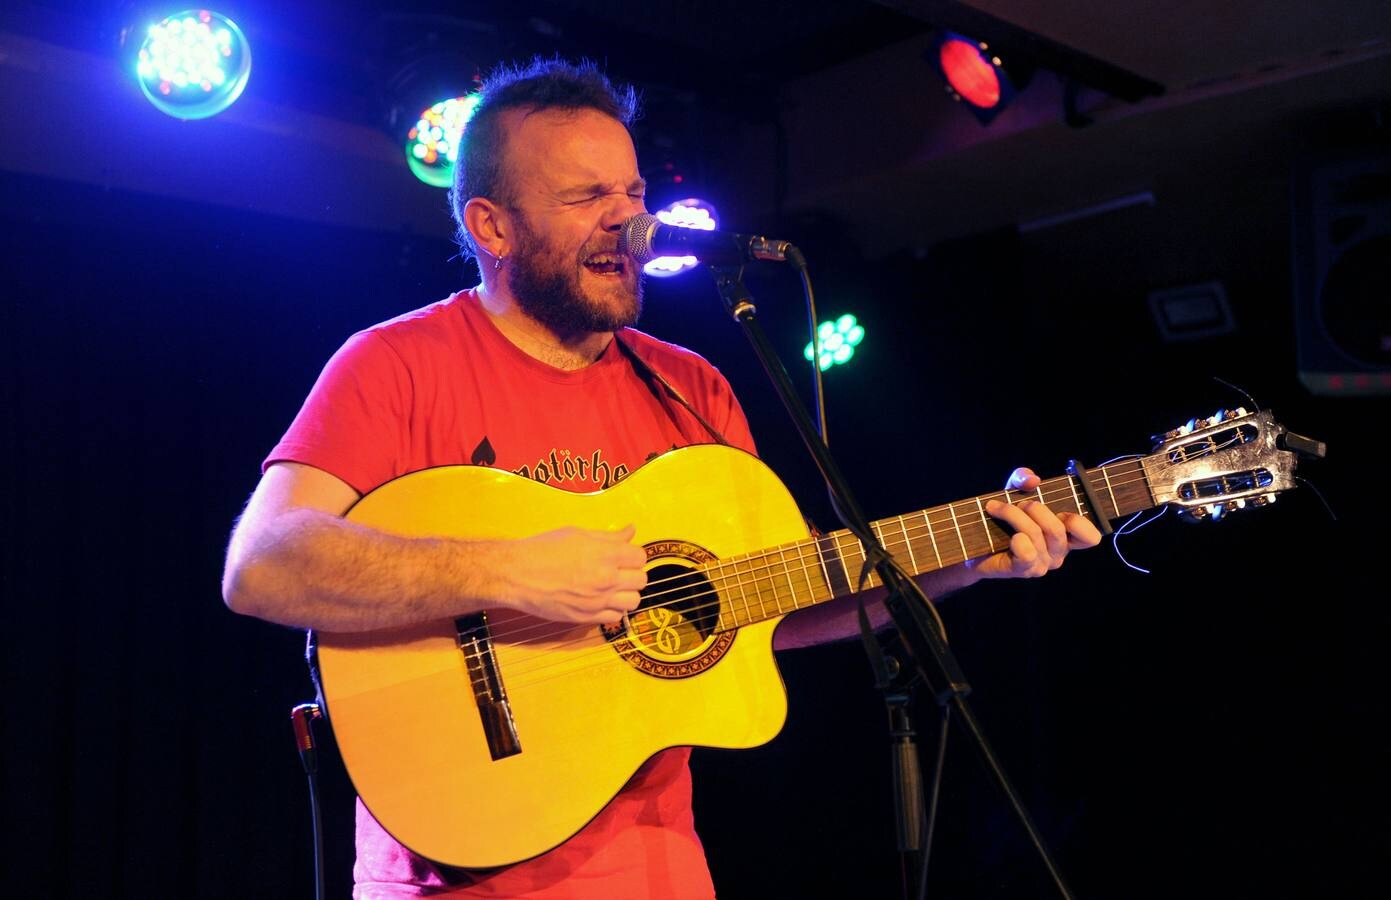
(665, 389)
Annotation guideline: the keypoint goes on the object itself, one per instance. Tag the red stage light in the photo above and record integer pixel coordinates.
(983, 77)
(970, 73)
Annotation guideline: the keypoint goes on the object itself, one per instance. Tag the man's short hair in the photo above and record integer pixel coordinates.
(541, 84)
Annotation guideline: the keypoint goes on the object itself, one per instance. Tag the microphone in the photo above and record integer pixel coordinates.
(645, 237)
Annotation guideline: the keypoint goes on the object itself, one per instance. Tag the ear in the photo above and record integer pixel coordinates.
(488, 224)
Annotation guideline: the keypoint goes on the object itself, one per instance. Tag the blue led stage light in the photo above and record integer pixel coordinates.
(836, 341)
(690, 213)
(194, 64)
(432, 145)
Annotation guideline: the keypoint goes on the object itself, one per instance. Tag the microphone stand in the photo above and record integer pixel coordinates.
(906, 602)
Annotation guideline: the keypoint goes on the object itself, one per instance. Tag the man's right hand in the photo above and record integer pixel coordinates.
(295, 560)
(577, 575)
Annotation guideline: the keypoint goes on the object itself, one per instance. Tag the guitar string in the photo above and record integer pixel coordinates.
(805, 558)
(927, 524)
(802, 547)
(764, 561)
(813, 563)
(548, 665)
(1065, 490)
(772, 562)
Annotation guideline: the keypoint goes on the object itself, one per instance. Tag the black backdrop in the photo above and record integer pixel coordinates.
(1207, 730)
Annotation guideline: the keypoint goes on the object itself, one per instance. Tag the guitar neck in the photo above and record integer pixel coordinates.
(760, 586)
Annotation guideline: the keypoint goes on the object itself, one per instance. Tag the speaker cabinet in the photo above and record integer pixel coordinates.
(1342, 274)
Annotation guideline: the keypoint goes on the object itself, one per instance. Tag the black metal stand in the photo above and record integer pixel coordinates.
(906, 602)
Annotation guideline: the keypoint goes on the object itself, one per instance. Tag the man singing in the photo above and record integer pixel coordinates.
(538, 371)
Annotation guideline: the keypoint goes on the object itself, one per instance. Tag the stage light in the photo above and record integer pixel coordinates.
(983, 78)
(432, 144)
(836, 342)
(194, 64)
(691, 213)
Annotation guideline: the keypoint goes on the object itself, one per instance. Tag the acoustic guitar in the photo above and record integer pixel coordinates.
(491, 738)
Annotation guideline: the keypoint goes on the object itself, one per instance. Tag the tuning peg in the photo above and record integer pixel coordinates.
(1216, 510)
(1264, 500)
(1270, 498)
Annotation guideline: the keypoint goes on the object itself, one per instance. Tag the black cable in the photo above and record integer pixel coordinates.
(302, 719)
(318, 836)
(799, 262)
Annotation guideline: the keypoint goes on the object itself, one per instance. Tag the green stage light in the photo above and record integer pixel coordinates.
(432, 146)
(836, 342)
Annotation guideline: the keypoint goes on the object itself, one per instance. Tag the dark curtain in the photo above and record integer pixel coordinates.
(1207, 730)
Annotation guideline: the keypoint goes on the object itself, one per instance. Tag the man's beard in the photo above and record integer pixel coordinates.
(546, 286)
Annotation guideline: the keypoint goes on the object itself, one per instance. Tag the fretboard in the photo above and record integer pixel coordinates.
(759, 586)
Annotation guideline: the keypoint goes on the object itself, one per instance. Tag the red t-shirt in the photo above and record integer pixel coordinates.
(442, 386)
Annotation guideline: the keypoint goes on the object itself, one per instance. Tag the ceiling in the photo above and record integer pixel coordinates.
(827, 107)
(1247, 85)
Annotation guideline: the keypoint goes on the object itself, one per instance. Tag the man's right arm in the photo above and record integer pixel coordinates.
(294, 560)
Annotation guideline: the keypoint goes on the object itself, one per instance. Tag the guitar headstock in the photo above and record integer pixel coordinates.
(1230, 460)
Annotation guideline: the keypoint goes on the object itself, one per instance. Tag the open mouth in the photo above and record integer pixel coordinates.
(606, 263)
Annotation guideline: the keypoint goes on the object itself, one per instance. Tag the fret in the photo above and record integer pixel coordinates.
(1142, 497)
(720, 625)
(965, 554)
(825, 572)
(1107, 478)
(872, 577)
(802, 582)
(743, 594)
(817, 591)
(1076, 500)
(837, 579)
(932, 535)
(840, 555)
(912, 559)
(985, 524)
(786, 573)
(724, 587)
(858, 559)
(878, 531)
(775, 572)
(1039, 489)
(1145, 474)
(749, 578)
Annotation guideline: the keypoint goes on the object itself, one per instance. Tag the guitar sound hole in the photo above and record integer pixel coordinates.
(678, 613)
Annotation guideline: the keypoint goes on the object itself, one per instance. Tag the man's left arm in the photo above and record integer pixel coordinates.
(1039, 544)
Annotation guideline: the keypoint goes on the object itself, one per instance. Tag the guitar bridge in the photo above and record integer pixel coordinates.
(475, 640)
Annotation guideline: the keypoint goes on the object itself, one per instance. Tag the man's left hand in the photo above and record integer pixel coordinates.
(1041, 537)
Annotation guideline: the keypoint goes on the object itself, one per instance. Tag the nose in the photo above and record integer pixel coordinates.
(621, 210)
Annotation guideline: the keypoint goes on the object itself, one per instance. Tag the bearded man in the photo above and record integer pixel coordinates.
(537, 371)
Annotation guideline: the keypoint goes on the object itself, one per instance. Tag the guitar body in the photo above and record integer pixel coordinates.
(491, 738)
(587, 708)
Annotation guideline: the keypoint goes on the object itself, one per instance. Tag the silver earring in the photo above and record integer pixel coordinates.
(497, 262)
